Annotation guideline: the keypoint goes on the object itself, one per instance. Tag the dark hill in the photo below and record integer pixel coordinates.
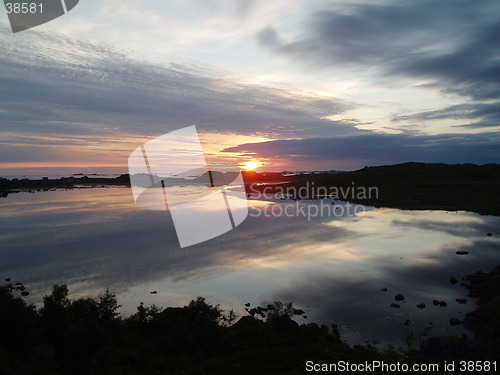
(414, 186)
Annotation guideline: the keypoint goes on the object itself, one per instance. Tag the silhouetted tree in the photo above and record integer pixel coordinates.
(18, 333)
(54, 314)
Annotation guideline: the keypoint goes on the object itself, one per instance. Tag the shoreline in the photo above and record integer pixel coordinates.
(222, 339)
(408, 186)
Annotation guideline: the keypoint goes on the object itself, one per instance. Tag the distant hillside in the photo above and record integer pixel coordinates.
(417, 186)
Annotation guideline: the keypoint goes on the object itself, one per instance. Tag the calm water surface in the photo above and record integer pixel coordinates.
(333, 267)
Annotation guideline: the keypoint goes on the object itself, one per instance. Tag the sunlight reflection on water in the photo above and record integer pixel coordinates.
(332, 267)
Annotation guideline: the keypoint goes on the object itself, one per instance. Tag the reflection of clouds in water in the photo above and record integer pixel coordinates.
(96, 238)
(363, 310)
(93, 235)
(461, 224)
(419, 269)
(416, 235)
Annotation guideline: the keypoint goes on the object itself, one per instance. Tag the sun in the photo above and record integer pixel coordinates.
(250, 165)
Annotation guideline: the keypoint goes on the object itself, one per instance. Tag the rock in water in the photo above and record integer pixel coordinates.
(399, 297)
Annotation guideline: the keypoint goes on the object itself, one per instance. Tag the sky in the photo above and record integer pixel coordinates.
(287, 84)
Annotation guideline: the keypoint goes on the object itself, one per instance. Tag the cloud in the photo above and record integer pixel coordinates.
(243, 7)
(58, 84)
(55, 87)
(450, 45)
(485, 114)
(378, 148)
(80, 101)
(268, 37)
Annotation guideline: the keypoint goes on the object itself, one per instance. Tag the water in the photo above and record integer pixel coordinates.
(332, 266)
